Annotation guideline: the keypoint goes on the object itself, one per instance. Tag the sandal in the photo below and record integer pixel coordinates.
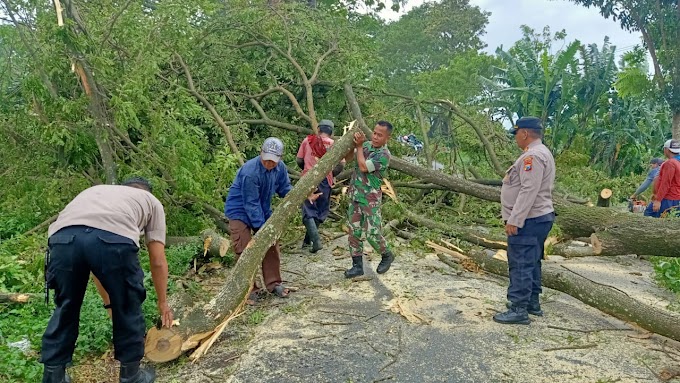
(253, 297)
(281, 291)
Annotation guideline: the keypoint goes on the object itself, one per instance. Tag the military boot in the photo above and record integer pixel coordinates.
(385, 262)
(516, 315)
(357, 267)
(131, 373)
(533, 308)
(55, 374)
(313, 233)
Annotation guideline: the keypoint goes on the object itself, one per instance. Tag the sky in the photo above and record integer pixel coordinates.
(581, 23)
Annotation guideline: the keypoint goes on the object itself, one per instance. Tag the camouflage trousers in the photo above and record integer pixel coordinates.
(365, 219)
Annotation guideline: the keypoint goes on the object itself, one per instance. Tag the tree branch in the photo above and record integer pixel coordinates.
(210, 107)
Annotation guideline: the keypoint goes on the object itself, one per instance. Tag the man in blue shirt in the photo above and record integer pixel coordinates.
(654, 166)
(248, 206)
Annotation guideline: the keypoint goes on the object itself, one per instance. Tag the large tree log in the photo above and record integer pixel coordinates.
(604, 298)
(199, 322)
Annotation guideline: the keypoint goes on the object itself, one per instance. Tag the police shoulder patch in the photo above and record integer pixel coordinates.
(528, 161)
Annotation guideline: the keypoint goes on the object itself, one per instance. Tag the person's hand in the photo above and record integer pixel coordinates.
(313, 197)
(510, 229)
(166, 314)
(656, 205)
(359, 139)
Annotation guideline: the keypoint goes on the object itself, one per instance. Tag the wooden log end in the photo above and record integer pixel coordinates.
(162, 345)
(596, 243)
(606, 193)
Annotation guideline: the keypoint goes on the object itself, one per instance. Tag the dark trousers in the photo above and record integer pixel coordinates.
(668, 207)
(320, 208)
(525, 251)
(76, 251)
(240, 234)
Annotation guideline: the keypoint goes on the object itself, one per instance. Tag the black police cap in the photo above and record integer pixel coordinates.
(527, 123)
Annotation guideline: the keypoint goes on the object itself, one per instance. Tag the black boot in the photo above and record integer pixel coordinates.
(516, 315)
(313, 233)
(357, 267)
(385, 263)
(533, 308)
(131, 373)
(55, 374)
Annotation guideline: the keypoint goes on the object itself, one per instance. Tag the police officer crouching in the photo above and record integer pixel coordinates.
(98, 232)
(527, 209)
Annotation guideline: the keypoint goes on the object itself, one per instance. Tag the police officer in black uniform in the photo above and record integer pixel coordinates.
(99, 232)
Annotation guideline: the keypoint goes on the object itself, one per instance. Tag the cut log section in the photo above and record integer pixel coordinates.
(215, 244)
(604, 197)
(227, 303)
(17, 297)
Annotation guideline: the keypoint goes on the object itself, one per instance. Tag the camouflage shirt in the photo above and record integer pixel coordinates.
(364, 188)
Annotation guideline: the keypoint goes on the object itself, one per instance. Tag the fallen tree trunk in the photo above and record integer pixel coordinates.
(602, 297)
(199, 322)
(468, 234)
(17, 297)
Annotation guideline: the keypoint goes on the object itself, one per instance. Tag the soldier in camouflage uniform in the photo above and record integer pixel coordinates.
(372, 159)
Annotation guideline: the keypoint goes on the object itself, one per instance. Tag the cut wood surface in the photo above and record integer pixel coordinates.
(209, 317)
(604, 198)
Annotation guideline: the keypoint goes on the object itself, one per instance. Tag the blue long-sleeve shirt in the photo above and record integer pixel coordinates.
(250, 195)
(648, 181)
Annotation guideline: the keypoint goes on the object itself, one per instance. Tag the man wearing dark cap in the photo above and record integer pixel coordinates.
(654, 166)
(527, 209)
(248, 206)
(98, 232)
(666, 197)
(312, 148)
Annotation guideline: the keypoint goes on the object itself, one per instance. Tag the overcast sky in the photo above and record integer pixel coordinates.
(584, 24)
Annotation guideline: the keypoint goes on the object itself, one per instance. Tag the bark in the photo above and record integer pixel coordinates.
(676, 125)
(228, 301)
(17, 297)
(218, 246)
(468, 234)
(602, 297)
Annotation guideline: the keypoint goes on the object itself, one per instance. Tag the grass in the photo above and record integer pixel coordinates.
(21, 265)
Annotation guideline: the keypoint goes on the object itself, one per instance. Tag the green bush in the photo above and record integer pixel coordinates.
(667, 272)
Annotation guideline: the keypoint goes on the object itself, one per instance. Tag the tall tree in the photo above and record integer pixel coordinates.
(659, 23)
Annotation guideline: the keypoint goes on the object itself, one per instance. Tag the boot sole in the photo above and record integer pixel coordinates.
(353, 276)
(524, 322)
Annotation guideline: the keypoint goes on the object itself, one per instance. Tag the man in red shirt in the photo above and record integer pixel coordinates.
(666, 196)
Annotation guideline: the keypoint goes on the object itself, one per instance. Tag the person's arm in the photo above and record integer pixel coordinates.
(283, 185)
(159, 275)
(646, 183)
(359, 139)
(105, 296)
(530, 181)
(663, 184)
(250, 193)
(302, 152)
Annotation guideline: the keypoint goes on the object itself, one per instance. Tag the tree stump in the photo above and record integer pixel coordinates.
(603, 199)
